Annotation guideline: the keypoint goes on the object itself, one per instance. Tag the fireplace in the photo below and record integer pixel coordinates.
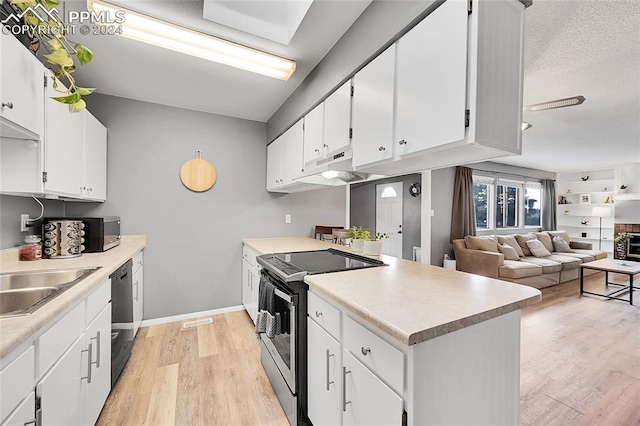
(633, 246)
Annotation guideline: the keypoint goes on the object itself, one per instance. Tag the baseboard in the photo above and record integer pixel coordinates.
(164, 320)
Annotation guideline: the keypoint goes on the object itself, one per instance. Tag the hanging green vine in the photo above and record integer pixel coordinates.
(50, 35)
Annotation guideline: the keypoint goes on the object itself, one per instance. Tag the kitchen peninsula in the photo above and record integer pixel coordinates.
(409, 340)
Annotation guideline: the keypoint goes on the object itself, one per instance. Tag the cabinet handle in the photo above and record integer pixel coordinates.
(344, 389)
(90, 350)
(402, 142)
(8, 105)
(318, 314)
(328, 382)
(97, 339)
(136, 284)
(382, 148)
(365, 351)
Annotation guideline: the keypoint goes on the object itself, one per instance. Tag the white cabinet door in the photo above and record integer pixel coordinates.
(373, 110)
(274, 164)
(21, 88)
(99, 339)
(64, 148)
(292, 152)
(431, 80)
(138, 298)
(337, 118)
(62, 390)
(324, 381)
(255, 285)
(247, 290)
(95, 158)
(24, 414)
(367, 400)
(314, 134)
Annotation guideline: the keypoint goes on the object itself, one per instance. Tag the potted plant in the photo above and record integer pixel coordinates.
(358, 235)
(621, 241)
(373, 246)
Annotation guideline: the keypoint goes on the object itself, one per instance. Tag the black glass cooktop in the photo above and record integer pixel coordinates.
(294, 266)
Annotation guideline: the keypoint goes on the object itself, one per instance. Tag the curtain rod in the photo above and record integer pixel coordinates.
(508, 174)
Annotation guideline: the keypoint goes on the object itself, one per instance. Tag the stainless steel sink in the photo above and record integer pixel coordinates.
(21, 293)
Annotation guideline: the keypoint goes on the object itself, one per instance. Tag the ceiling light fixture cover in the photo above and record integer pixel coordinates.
(558, 103)
(153, 31)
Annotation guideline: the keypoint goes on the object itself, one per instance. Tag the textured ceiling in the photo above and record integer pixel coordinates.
(589, 48)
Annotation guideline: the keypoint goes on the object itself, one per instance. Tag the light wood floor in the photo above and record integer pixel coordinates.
(580, 365)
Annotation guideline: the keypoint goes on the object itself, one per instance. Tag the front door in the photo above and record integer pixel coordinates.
(389, 217)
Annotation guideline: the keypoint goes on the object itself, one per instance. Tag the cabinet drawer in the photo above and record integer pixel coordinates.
(249, 255)
(16, 379)
(138, 261)
(324, 314)
(55, 341)
(97, 300)
(380, 356)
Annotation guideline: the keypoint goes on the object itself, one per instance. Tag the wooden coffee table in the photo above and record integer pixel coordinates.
(626, 267)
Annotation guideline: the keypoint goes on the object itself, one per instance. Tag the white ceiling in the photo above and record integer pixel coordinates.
(573, 47)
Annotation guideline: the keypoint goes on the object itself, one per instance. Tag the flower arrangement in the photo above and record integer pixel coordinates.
(359, 233)
(622, 237)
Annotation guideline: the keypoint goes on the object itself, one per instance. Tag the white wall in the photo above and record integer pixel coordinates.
(193, 259)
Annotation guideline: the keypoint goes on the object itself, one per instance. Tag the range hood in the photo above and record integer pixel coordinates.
(332, 170)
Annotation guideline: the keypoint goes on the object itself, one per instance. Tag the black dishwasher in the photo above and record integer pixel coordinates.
(121, 319)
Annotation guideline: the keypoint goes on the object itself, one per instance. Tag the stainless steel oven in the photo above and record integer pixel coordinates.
(284, 356)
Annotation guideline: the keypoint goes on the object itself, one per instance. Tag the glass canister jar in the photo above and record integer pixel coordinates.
(32, 248)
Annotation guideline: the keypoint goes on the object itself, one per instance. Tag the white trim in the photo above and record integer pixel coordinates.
(164, 320)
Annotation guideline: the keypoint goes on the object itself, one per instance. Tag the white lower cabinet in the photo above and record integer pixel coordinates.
(250, 282)
(138, 291)
(98, 336)
(342, 390)
(367, 400)
(25, 413)
(324, 376)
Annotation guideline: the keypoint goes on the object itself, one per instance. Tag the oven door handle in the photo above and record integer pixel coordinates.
(282, 295)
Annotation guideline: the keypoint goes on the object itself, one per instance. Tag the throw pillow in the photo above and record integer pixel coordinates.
(560, 245)
(545, 239)
(510, 240)
(522, 241)
(562, 234)
(537, 248)
(488, 243)
(508, 252)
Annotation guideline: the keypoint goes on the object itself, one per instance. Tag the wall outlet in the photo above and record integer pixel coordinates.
(287, 218)
(24, 220)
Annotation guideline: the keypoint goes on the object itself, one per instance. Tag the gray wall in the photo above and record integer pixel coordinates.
(193, 258)
(442, 201)
(363, 210)
(10, 210)
(377, 27)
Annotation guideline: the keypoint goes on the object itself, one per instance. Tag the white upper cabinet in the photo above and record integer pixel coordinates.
(274, 164)
(314, 134)
(292, 152)
(21, 91)
(431, 80)
(373, 110)
(337, 119)
(64, 148)
(95, 159)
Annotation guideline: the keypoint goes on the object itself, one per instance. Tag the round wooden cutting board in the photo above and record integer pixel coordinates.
(198, 175)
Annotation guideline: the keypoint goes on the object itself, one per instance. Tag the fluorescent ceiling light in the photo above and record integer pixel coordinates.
(163, 34)
(526, 126)
(558, 103)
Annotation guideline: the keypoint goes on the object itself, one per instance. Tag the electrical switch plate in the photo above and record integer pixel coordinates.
(24, 219)
(287, 218)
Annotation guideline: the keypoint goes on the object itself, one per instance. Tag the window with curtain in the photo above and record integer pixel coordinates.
(506, 203)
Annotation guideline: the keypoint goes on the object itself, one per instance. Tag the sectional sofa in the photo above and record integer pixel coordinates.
(492, 256)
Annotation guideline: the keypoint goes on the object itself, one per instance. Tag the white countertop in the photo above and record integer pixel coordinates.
(16, 330)
(409, 301)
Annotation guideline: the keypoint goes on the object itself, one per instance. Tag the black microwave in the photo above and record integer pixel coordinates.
(100, 233)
